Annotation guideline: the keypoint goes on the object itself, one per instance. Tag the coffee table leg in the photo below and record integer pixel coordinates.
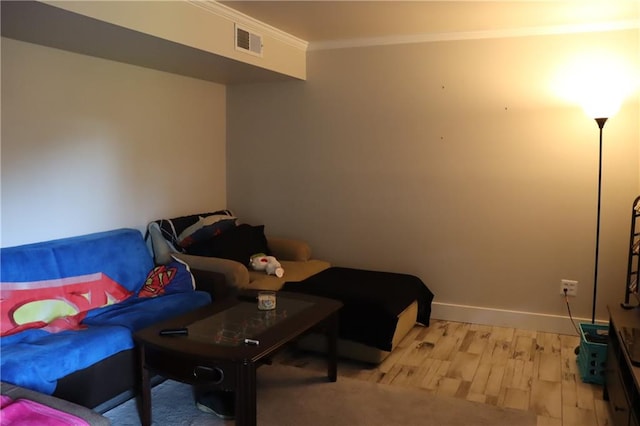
(246, 412)
(145, 392)
(332, 347)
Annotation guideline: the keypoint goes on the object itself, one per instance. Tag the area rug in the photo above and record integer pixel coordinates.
(289, 396)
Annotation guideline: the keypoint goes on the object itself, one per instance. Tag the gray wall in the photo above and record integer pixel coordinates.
(90, 144)
(454, 161)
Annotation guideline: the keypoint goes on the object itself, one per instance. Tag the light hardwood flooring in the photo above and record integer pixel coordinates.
(506, 367)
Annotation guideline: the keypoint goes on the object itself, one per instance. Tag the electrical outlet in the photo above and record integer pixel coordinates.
(571, 287)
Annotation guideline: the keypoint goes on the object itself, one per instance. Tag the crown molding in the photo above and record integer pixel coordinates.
(248, 22)
(475, 35)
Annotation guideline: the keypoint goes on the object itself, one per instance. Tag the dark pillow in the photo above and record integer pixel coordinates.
(171, 228)
(183, 222)
(238, 243)
(208, 232)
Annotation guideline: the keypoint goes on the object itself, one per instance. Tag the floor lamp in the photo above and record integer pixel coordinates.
(600, 121)
(601, 108)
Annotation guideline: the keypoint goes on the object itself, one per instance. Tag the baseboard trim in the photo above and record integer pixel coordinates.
(506, 318)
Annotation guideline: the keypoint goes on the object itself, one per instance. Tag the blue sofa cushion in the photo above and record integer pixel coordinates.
(45, 281)
(36, 359)
(138, 313)
(121, 254)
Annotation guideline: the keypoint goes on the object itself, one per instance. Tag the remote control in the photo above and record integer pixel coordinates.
(184, 331)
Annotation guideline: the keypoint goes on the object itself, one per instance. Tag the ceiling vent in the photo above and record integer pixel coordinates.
(248, 42)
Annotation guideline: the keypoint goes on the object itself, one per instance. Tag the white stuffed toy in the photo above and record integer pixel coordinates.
(262, 262)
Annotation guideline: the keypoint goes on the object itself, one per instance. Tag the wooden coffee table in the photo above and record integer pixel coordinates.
(216, 350)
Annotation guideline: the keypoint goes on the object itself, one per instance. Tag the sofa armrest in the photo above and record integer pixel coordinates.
(235, 273)
(289, 249)
(90, 416)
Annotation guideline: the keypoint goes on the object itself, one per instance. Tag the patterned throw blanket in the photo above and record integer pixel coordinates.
(27, 412)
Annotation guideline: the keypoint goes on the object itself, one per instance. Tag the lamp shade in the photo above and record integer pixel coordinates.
(600, 105)
(598, 82)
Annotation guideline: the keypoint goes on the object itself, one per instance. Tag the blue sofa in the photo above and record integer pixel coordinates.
(71, 306)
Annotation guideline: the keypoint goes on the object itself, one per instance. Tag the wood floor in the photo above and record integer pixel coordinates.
(506, 367)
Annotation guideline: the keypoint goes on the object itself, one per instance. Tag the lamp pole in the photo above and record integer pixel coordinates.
(600, 121)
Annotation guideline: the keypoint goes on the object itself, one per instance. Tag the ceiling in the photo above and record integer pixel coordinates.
(47, 25)
(324, 24)
(329, 21)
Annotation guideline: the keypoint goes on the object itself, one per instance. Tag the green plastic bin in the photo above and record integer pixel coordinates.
(592, 358)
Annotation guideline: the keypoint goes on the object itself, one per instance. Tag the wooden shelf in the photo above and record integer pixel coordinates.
(622, 379)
